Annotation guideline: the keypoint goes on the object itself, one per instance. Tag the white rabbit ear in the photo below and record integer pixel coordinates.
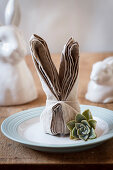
(12, 13)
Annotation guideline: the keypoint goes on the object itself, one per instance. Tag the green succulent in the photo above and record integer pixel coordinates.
(83, 127)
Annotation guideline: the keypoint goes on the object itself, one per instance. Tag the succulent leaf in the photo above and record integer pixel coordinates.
(92, 123)
(85, 137)
(71, 125)
(78, 125)
(74, 133)
(71, 137)
(87, 114)
(85, 123)
(79, 118)
(86, 130)
(92, 134)
(79, 132)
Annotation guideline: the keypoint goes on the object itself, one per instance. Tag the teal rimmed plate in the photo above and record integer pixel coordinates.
(24, 127)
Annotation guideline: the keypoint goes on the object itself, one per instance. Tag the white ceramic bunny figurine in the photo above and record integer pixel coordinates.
(16, 82)
(100, 87)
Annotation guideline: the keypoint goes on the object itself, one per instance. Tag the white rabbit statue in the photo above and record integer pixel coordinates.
(16, 82)
(100, 87)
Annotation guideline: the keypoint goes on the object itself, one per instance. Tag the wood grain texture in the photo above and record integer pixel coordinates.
(15, 153)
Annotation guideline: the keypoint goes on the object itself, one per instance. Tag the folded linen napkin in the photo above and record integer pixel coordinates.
(61, 89)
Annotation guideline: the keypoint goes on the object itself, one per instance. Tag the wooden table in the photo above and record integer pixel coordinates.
(13, 154)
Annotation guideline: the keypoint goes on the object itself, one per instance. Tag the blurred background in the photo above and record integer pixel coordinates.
(90, 22)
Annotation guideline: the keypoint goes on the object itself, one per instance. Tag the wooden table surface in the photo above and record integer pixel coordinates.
(13, 154)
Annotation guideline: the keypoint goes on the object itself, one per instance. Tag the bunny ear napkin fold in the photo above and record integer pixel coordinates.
(60, 88)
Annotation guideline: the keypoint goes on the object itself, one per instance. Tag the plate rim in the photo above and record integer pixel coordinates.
(36, 144)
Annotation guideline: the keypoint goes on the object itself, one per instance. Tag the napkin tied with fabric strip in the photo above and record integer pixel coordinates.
(60, 88)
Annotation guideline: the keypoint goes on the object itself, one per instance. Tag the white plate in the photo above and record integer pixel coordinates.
(24, 127)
